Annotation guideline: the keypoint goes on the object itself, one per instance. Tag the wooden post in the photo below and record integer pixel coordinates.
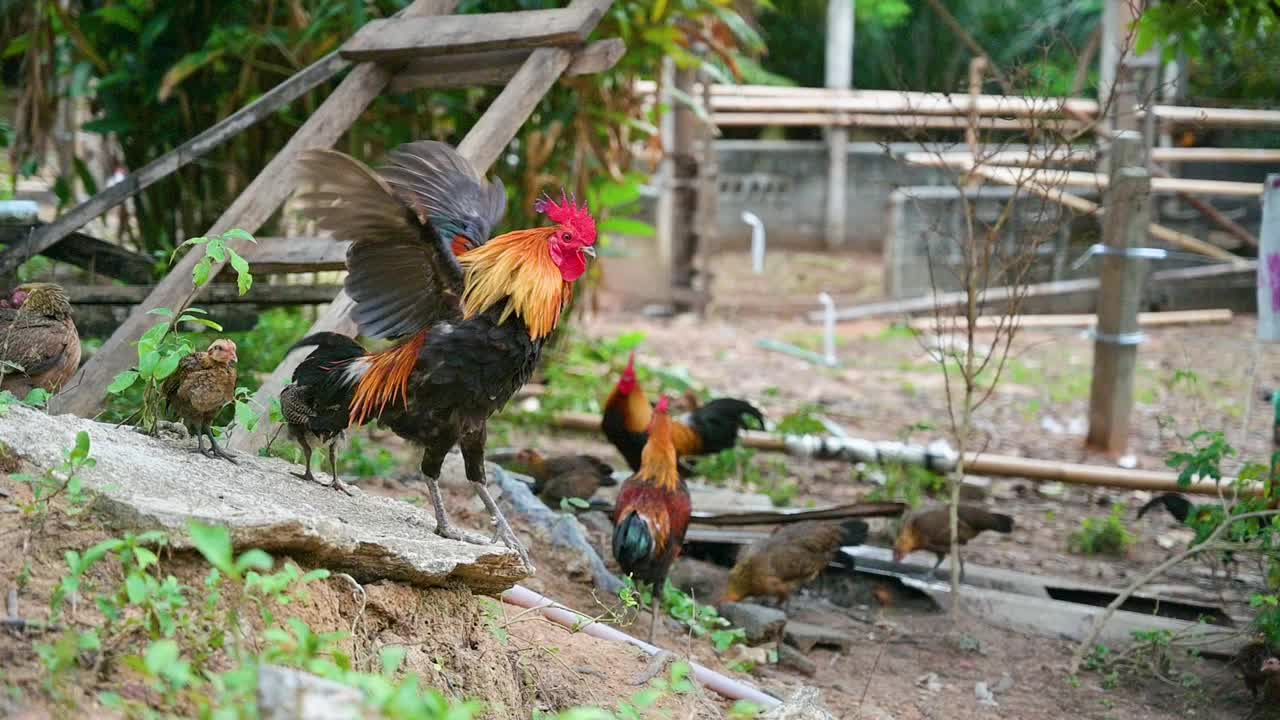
(839, 75)
(1269, 262)
(1128, 211)
(1117, 44)
(249, 211)
(684, 189)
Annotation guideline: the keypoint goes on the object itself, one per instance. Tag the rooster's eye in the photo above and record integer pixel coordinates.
(566, 237)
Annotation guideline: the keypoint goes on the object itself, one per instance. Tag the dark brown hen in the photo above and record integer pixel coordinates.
(791, 556)
(931, 530)
(39, 345)
(560, 477)
(203, 383)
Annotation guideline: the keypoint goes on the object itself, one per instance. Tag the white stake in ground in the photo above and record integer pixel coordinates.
(757, 240)
(828, 329)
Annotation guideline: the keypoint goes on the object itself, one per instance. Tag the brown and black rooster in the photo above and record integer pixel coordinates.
(39, 345)
(203, 383)
(790, 557)
(652, 512)
(565, 476)
(470, 313)
(931, 530)
(711, 427)
(311, 423)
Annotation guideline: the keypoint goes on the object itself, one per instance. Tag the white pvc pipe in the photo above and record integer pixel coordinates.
(757, 240)
(574, 620)
(828, 329)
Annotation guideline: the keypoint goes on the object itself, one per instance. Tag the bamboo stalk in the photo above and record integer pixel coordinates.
(977, 463)
(1146, 319)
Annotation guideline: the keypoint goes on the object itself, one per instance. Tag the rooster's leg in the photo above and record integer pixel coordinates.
(217, 451)
(431, 464)
(653, 615)
(337, 483)
(473, 457)
(200, 440)
(306, 459)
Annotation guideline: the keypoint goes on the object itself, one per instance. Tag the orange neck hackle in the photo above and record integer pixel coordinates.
(658, 459)
(516, 267)
(386, 379)
(908, 542)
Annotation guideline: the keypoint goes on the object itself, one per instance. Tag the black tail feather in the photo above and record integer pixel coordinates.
(855, 532)
(719, 421)
(1178, 506)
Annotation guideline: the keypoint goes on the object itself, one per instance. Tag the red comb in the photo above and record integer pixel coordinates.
(631, 361)
(663, 404)
(567, 212)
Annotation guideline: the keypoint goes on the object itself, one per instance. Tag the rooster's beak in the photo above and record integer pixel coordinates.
(589, 251)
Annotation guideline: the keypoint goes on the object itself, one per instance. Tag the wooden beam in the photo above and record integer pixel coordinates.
(409, 37)
(1214, 316)
(487, 140)
(89, 253)
(1120, 280)
(871, 120)
(249, 211)
(1268, 278)
(1081, 155)
(496, 68)
(297, 254)
(838, 72)
(219, 294)
(169, 163)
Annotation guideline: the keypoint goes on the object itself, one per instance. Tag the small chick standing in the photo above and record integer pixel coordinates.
(39, 345)
(652, 512)
(565, 476)
(311, 420)
(203, 383)
(931, 530)
(790, 557)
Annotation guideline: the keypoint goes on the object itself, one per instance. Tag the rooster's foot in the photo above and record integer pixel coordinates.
(657, 666)
(342, 487)
(505, 536)
(306, 476)
(447, 531)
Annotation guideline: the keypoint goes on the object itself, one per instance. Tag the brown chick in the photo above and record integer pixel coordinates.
(1270, 680)
(1249, 660)
(792, 556)
(565, 476)
(197, 390)
(931, 530)
(39, 345)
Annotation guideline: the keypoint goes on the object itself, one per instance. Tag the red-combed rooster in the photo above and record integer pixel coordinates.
(471, 313)
(652, 511)
(711, 427)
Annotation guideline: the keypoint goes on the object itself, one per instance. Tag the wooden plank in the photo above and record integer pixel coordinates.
(1080, 294)
(870, 120)
(405, 38)
(90, 253)
(496, 68)
(1216, 155)
(483, 145)
(297, 254)
(249, 211)
(1078, 155)
(1115, 351)
(169, 163)
(1217, 117)
(219, 294)
(1269, 267)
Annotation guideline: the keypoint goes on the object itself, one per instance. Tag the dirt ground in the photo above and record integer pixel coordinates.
(902, 662)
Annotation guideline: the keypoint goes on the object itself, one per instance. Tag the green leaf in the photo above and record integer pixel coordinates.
(390, 657)
(120, 15)
(135, 588)
(254, 559)
(627, 226)
(200, 275)
(167, 365)
(36, 398)
(238, 234)
(145, 557)
(214, 543)
(216, 249)
(123, 382)
(81, 451)
(245, 416)
(202, 321)
(95, 553)
(147, 364)
(160, 656)
(185, 68)
(152, 338)
(615, 195)
(241, 266)
(17, 46)
(161, 311)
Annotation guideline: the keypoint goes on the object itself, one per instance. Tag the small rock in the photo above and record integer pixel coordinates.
(703, 581)
(285, 693)
(805, 704)
(1128, 462)
(1003, 685)
(1007, 490)
(761, 624)
(530, 405)
(757, 656)
(1166, 541)
(1077, 426)
(1051, 489)
(929, 682)
(792, 659)
(975, 488)
(983, 693)
(806, 636)
(595, 521)
(1051, 425)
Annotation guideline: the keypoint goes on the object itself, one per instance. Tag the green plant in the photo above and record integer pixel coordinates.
(37, 399)
(905, 483)
(803, 421)
(64, 479)
(740, 465)
(162, 348)
(358, 459)
(701, 620)
(1103, 536)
